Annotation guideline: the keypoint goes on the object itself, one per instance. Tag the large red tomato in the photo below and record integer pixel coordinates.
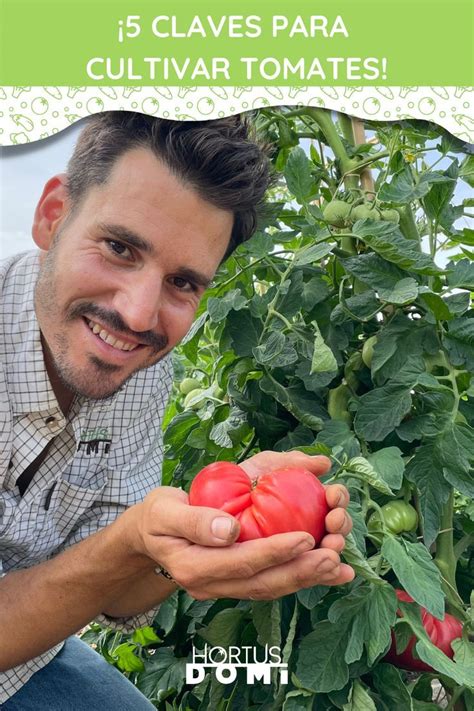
(283, 500)
(440, 632)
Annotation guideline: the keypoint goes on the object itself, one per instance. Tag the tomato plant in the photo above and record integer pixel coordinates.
(276, 502)
(346, 332)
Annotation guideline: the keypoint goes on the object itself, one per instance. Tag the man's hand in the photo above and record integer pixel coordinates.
(197, 544)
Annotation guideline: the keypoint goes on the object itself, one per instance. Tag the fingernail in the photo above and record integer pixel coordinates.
(221, 527)
(345, 521)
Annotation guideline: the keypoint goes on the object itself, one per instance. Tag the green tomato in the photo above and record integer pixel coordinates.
(398, 516)
(191, 396)
(368, 350)
(365, 212)
(188, 384)
(338, 399)
(337, 212)
(391, 216)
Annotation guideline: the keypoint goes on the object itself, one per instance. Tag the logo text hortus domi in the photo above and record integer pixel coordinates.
(226, 661)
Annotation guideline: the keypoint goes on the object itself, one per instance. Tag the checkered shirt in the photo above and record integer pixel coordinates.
(106, 455)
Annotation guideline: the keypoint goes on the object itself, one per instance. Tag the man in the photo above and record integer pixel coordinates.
(129, 238)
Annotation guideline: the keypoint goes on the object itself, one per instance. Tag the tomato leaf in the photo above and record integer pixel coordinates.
(144, 636)
(381, 410)
(374, 271)
(389, 465)
(298, 174)
(368, 612)
(276, 351)
(461, 274)
(426, 472)
(298, 700)
(223, 630)
(126, 659)
(218, 308)
(244, 331)
(355, 558)
(454, 449)
(296, 400)
(310, 597)
(323, 358)
(359, 699)
(403, 189)
(386, 239)
(404, 291)
(321, 666)
(417, 572)
(266, 617)
(388, 682)
(364, 468)
(459, 342)
(314, 291)
(164, 671)
(313, 254)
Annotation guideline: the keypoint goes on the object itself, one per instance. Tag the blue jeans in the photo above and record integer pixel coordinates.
(78, 679)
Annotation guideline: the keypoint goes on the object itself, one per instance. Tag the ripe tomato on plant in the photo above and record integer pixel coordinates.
(440, 632)
(280, 501)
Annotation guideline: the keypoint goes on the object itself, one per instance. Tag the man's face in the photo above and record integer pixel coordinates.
(120, 285)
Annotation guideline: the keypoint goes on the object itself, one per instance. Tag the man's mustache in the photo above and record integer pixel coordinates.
(116, 323)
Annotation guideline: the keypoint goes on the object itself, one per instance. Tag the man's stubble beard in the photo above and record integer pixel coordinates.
(93, 383)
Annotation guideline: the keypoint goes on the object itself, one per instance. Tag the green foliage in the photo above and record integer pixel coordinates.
(277, 350)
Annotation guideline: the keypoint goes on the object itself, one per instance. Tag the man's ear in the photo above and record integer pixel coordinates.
(52, 209)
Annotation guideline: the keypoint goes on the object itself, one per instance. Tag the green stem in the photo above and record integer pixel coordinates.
(373, 159)
(346, 128)
(365, 501)
(252, 264)
(277, 314)
(452, 378)
(273, 302)
(323, 118)
(445, 559)
(348, 244)
(247, 449)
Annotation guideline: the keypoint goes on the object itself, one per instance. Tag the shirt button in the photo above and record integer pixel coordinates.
(50, 421)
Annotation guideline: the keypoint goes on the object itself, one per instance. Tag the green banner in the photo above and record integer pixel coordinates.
(237, 42)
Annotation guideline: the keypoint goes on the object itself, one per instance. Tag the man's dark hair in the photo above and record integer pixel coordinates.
(221, 160)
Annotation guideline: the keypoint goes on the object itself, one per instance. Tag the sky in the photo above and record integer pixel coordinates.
(23, 172)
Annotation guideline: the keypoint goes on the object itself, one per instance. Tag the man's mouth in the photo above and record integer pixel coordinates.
(110, 339)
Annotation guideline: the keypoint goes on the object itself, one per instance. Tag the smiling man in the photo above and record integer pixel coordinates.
(122, 277)
(129, 239)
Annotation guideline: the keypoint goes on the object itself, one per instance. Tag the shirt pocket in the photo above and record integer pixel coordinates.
(58, 510)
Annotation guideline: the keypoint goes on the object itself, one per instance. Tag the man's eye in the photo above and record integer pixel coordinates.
(118, 248)
(183, 284)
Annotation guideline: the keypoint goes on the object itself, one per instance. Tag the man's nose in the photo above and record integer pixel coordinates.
(138, 302)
